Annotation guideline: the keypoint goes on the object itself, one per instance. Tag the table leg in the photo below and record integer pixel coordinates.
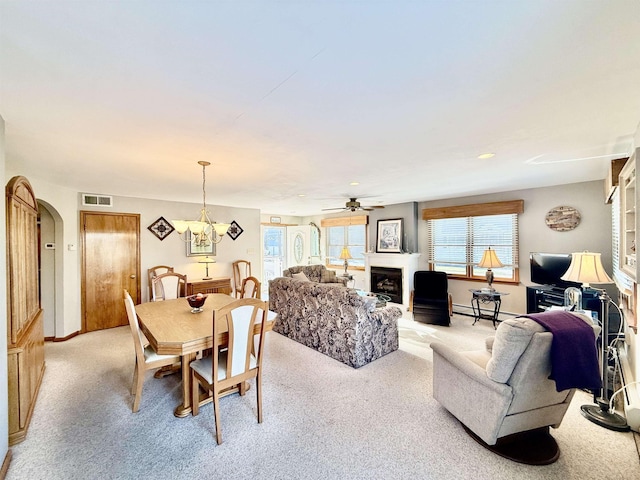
(184, 408)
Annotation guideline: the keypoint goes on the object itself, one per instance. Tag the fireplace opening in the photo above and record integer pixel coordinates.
(387, 281)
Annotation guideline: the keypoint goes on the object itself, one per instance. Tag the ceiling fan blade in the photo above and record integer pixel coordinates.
(327, 209)
(372, 207)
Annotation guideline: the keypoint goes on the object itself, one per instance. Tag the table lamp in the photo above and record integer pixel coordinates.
(586, 268)
(207, 261)
(490, 260)
(345, 255)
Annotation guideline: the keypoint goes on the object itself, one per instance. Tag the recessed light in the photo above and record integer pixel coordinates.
(484, 156)
(301, 195)
(353, 184)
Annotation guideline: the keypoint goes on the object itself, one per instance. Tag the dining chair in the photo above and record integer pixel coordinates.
(146, 357)
(241, 270)
(168, 286)
(250, 288)
(235, 365)
(154, 272)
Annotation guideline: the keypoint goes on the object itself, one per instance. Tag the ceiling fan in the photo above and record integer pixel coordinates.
(352, 205)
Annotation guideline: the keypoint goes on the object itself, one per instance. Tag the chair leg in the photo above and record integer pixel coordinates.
(195, 394)
(140, 381)
(216, 415)
(135, 378)
(259, 394)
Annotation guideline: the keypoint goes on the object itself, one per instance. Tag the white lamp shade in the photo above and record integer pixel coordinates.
(586, 268)
(221, 228)
(490, 259)
(181, 226)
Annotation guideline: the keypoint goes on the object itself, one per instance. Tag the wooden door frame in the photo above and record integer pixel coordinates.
(83, 215)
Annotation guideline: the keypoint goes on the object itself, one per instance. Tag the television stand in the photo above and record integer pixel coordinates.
(540, 298)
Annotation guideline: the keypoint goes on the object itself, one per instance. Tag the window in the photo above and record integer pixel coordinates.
(348, 232)
(458, 237)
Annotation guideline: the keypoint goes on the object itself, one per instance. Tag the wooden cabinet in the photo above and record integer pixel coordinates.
(628, 218)
(214, 285)
(25, 334)
(613, 177)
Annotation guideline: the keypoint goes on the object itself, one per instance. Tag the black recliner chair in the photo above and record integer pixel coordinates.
(430, 299)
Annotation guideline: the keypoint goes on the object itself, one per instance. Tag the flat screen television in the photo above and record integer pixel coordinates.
(547, 268)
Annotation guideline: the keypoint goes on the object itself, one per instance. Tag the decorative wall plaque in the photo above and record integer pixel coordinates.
(234, 230)
(562, 219)
(161, 228)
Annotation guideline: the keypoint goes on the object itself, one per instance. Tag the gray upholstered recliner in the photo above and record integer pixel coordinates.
(503, 391)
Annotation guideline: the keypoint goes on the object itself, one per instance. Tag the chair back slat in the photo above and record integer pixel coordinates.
(241, 318)
(154, 272)
(168, 286)
(241, 270)
(250, 288)
(138, 337)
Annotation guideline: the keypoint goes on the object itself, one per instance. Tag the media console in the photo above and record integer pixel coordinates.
(542, 297)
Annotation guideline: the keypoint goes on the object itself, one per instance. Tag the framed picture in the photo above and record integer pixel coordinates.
(389, 236)
(194, 250)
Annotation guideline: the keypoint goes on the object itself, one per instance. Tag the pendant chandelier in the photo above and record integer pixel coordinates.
(204, 232)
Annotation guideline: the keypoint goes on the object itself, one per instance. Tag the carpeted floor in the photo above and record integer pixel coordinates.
(322, 420)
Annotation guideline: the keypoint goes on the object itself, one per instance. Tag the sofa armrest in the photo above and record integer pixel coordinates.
(386, 315)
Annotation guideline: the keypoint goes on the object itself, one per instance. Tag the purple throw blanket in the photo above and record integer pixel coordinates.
(574, 356)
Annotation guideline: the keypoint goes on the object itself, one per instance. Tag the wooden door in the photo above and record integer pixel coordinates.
(110, 263)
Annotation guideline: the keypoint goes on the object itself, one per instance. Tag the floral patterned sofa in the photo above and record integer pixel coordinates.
(315, 273)
(333, 320)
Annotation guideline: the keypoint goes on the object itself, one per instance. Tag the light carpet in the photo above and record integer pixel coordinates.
(322, 420)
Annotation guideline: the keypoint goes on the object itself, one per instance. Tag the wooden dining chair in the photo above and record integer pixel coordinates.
(154, 272)
(250, 288)
(168, 286)
(146, 357)
(235, 365)
(241, 270)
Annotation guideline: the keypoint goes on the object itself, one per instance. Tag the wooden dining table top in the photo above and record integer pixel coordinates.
(172, 329)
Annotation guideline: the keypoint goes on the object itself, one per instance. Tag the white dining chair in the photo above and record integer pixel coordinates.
(238, 362)
(250, 288)
(146, 357)
(168, 286)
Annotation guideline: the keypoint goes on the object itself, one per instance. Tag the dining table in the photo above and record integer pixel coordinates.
(172, 329)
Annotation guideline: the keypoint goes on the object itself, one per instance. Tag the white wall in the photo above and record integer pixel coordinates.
(4, 388)
(593, 233)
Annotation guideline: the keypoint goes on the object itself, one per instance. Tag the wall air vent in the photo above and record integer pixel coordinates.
(91, 200)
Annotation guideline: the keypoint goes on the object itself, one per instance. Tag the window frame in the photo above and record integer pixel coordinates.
(513, 208)
(345, 223)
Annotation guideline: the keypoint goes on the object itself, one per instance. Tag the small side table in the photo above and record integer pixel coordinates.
(483, 297)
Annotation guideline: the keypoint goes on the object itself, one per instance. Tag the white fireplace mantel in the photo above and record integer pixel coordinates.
(407, 262)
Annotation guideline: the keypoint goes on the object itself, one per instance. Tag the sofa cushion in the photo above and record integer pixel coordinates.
(300, 276)
(328, 276)
(511, 340)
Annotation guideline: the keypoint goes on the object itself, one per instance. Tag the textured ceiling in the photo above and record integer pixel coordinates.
(302, 98)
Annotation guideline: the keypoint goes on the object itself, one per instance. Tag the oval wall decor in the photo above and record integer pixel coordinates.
(562, 219)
